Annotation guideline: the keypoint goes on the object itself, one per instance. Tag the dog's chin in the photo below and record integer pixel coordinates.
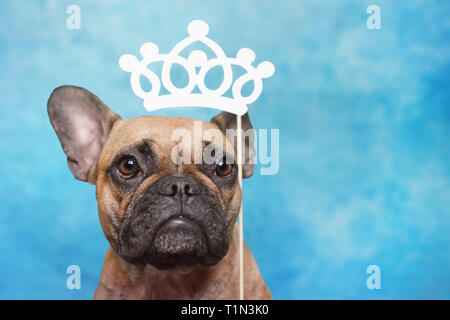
(179, 244)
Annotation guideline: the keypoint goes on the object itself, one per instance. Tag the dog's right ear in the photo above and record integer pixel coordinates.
(83, 123)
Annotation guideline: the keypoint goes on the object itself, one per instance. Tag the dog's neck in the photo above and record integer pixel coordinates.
(121, 280)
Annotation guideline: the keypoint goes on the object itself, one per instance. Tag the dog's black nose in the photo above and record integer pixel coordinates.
(171, 186)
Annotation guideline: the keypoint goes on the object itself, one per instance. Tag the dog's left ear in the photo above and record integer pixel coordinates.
(228, 121)
(83, 123)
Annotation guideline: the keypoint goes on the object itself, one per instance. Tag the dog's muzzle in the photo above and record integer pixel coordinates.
(176, 222)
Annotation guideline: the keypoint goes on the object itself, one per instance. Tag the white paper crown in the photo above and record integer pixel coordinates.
(185, 97)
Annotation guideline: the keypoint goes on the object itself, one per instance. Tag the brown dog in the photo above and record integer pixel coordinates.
(171, 225)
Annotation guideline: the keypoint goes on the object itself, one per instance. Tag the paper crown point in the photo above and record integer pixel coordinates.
(198, 28)
(197, 65)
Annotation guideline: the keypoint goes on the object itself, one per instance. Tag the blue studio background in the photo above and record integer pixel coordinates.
(364, 140)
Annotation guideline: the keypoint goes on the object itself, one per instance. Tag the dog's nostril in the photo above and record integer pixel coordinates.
(189, 190)
(174, 189)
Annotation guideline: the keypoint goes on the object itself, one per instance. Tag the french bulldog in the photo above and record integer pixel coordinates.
(171, 225)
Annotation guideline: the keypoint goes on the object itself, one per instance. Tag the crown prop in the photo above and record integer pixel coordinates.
(197, 66)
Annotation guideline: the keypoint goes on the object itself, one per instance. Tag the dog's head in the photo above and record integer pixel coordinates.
(167, 188)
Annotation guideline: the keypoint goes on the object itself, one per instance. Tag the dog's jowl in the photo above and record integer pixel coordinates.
(171, 224)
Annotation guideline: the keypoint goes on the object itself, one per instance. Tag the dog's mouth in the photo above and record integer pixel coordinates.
(178, 242)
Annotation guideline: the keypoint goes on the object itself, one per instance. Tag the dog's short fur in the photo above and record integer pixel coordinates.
(171, 226)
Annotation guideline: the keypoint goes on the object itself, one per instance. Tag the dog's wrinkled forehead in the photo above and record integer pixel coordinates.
(165, 134)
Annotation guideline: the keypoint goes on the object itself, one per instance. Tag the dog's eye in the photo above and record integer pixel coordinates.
(223, 169)
(128, 167)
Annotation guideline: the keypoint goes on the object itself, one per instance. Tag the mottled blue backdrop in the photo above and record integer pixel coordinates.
(364, 140)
